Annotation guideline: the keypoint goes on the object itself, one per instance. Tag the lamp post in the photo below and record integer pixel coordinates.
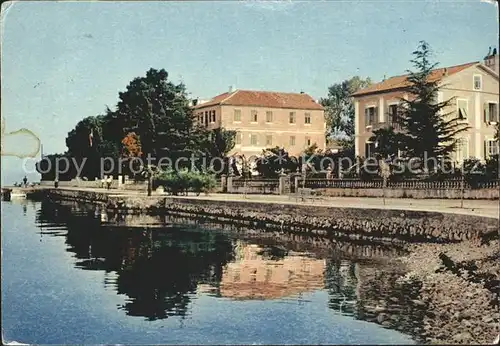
(385, 173)
(462, 190)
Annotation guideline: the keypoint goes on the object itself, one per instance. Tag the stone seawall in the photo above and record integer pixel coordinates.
(354, 223)
(350, 223)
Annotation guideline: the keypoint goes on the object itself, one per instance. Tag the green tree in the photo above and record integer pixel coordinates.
(339, 110)
(79, 140)
(86, 144)
(158, 111)
(275, 160)
(310, 150)
(221, 142)
(388, 142)
(428, 130)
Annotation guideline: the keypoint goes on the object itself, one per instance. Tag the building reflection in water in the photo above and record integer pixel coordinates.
(161, 271)
(269, 273)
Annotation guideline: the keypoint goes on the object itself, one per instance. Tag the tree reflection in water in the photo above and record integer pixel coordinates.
(156, 269)
(341, 281)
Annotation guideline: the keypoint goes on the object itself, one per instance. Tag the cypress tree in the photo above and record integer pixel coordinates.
(428, 130)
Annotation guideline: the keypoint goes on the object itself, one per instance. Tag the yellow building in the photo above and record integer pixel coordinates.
(266, 119)
(474, 88)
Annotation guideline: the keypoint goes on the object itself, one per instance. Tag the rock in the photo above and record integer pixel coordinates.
(382, 317)
(462, 337)
(418, 302)
(386, 323)
(466, 323)
(487, 319)
(430, 314)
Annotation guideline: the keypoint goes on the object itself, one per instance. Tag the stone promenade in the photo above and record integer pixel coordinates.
(485, 208)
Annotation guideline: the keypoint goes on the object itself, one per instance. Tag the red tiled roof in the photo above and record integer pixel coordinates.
(268, 99)
(400, 82)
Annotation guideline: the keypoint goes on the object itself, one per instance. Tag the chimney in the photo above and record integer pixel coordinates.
(230, 89)
(302, 91)
(195, 102)
(445, 72)
(491, 60)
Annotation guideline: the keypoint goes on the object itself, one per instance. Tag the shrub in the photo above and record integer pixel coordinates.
(184, 181)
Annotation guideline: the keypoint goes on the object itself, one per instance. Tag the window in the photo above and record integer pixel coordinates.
(253, 139)
(292, 140)
(369, 149)
(269, 140)
(253, 116)
(269, 117)
(491, 147)
(462, 109)
(308, 141)
(292, 118)
(269, 274)
(491, 112)
(237, 115)
(370, 115)
(393, 115)
(206, 118)
(307, 118)
(477, 82)
(462, 150)
(237, 139)
(212, 116)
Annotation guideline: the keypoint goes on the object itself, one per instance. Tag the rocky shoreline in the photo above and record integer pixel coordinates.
(460, 287)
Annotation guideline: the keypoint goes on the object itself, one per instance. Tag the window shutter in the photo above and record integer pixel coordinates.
(486, 112)
(485, 149)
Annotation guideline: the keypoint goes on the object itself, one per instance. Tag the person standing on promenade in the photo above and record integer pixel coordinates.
(329, 171)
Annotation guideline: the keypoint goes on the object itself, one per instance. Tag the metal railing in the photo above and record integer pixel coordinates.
(268, 184)
(451, 184)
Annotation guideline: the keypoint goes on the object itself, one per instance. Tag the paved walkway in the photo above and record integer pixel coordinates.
(488, 208)
(470, 207)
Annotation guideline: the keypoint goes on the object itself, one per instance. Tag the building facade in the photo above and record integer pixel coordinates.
(473, 88)
(265, 120)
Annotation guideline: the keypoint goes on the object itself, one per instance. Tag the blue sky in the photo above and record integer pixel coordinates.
(63, 61)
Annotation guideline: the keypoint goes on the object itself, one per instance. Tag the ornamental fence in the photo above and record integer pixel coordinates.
(240, 185)
(453, 184)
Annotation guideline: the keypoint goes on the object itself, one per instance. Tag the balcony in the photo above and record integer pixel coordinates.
(385, 124)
